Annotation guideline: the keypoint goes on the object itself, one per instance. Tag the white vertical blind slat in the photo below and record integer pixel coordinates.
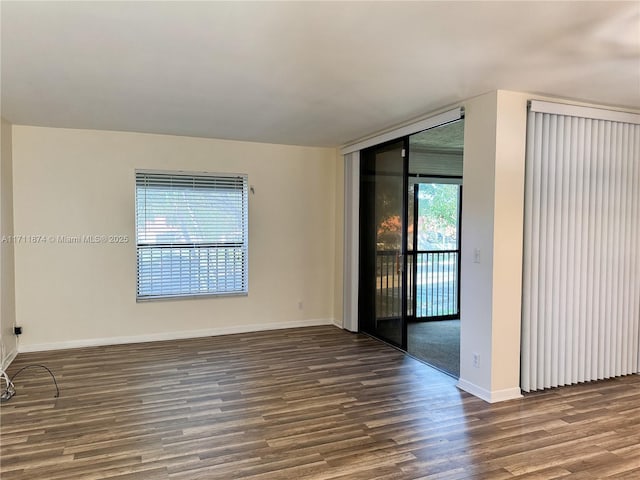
(581, 272)
(634, 253)
(527, 349)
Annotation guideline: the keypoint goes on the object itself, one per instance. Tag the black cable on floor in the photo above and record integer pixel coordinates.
(10, 392)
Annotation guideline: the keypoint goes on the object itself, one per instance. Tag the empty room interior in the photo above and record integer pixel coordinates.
(320, 240)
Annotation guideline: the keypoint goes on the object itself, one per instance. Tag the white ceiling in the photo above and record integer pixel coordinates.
(309, 73)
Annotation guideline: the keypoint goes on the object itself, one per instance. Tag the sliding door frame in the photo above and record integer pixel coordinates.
(351, 153)
(363, 296)
(416, 202)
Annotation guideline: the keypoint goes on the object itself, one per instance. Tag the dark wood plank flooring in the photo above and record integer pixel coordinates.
(309, 404)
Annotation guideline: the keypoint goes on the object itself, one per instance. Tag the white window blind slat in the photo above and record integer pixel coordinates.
(192, 234)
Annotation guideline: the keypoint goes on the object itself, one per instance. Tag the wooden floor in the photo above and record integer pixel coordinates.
(313, 403)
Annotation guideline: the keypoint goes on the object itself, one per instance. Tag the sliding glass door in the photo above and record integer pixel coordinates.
(410, 200)
(382, 301)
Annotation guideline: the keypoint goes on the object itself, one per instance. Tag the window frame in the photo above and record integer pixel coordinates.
(245, 244)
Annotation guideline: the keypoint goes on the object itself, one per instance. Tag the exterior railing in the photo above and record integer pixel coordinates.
(388, 284)
(436, 283)
(432, 280)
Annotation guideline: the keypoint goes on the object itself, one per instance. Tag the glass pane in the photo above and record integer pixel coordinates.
(174, 271)
(436, 270)
(187, 215)
(382, 270)
(438, 216)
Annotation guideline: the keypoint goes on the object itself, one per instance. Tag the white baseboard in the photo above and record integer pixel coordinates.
(493, 396)
(156, 337)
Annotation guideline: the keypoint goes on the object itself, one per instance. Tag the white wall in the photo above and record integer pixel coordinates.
(511, 133)
(7, 300)
(477, 232)
(492, 221)
(81, 182)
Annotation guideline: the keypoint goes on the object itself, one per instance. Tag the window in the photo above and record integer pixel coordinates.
(191, 234)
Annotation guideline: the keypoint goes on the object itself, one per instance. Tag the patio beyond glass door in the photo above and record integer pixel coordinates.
(434, 250)
(382, 300)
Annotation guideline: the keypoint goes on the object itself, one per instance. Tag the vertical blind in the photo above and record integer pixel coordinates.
(351, 273)
(191, 234)
(581, 272)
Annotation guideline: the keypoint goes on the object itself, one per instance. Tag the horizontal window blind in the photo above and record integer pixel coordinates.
(191, 233)
(581, 272)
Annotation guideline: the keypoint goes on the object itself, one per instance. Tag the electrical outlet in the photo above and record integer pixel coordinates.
(300, 305)
(476, 255)
(476, 360)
